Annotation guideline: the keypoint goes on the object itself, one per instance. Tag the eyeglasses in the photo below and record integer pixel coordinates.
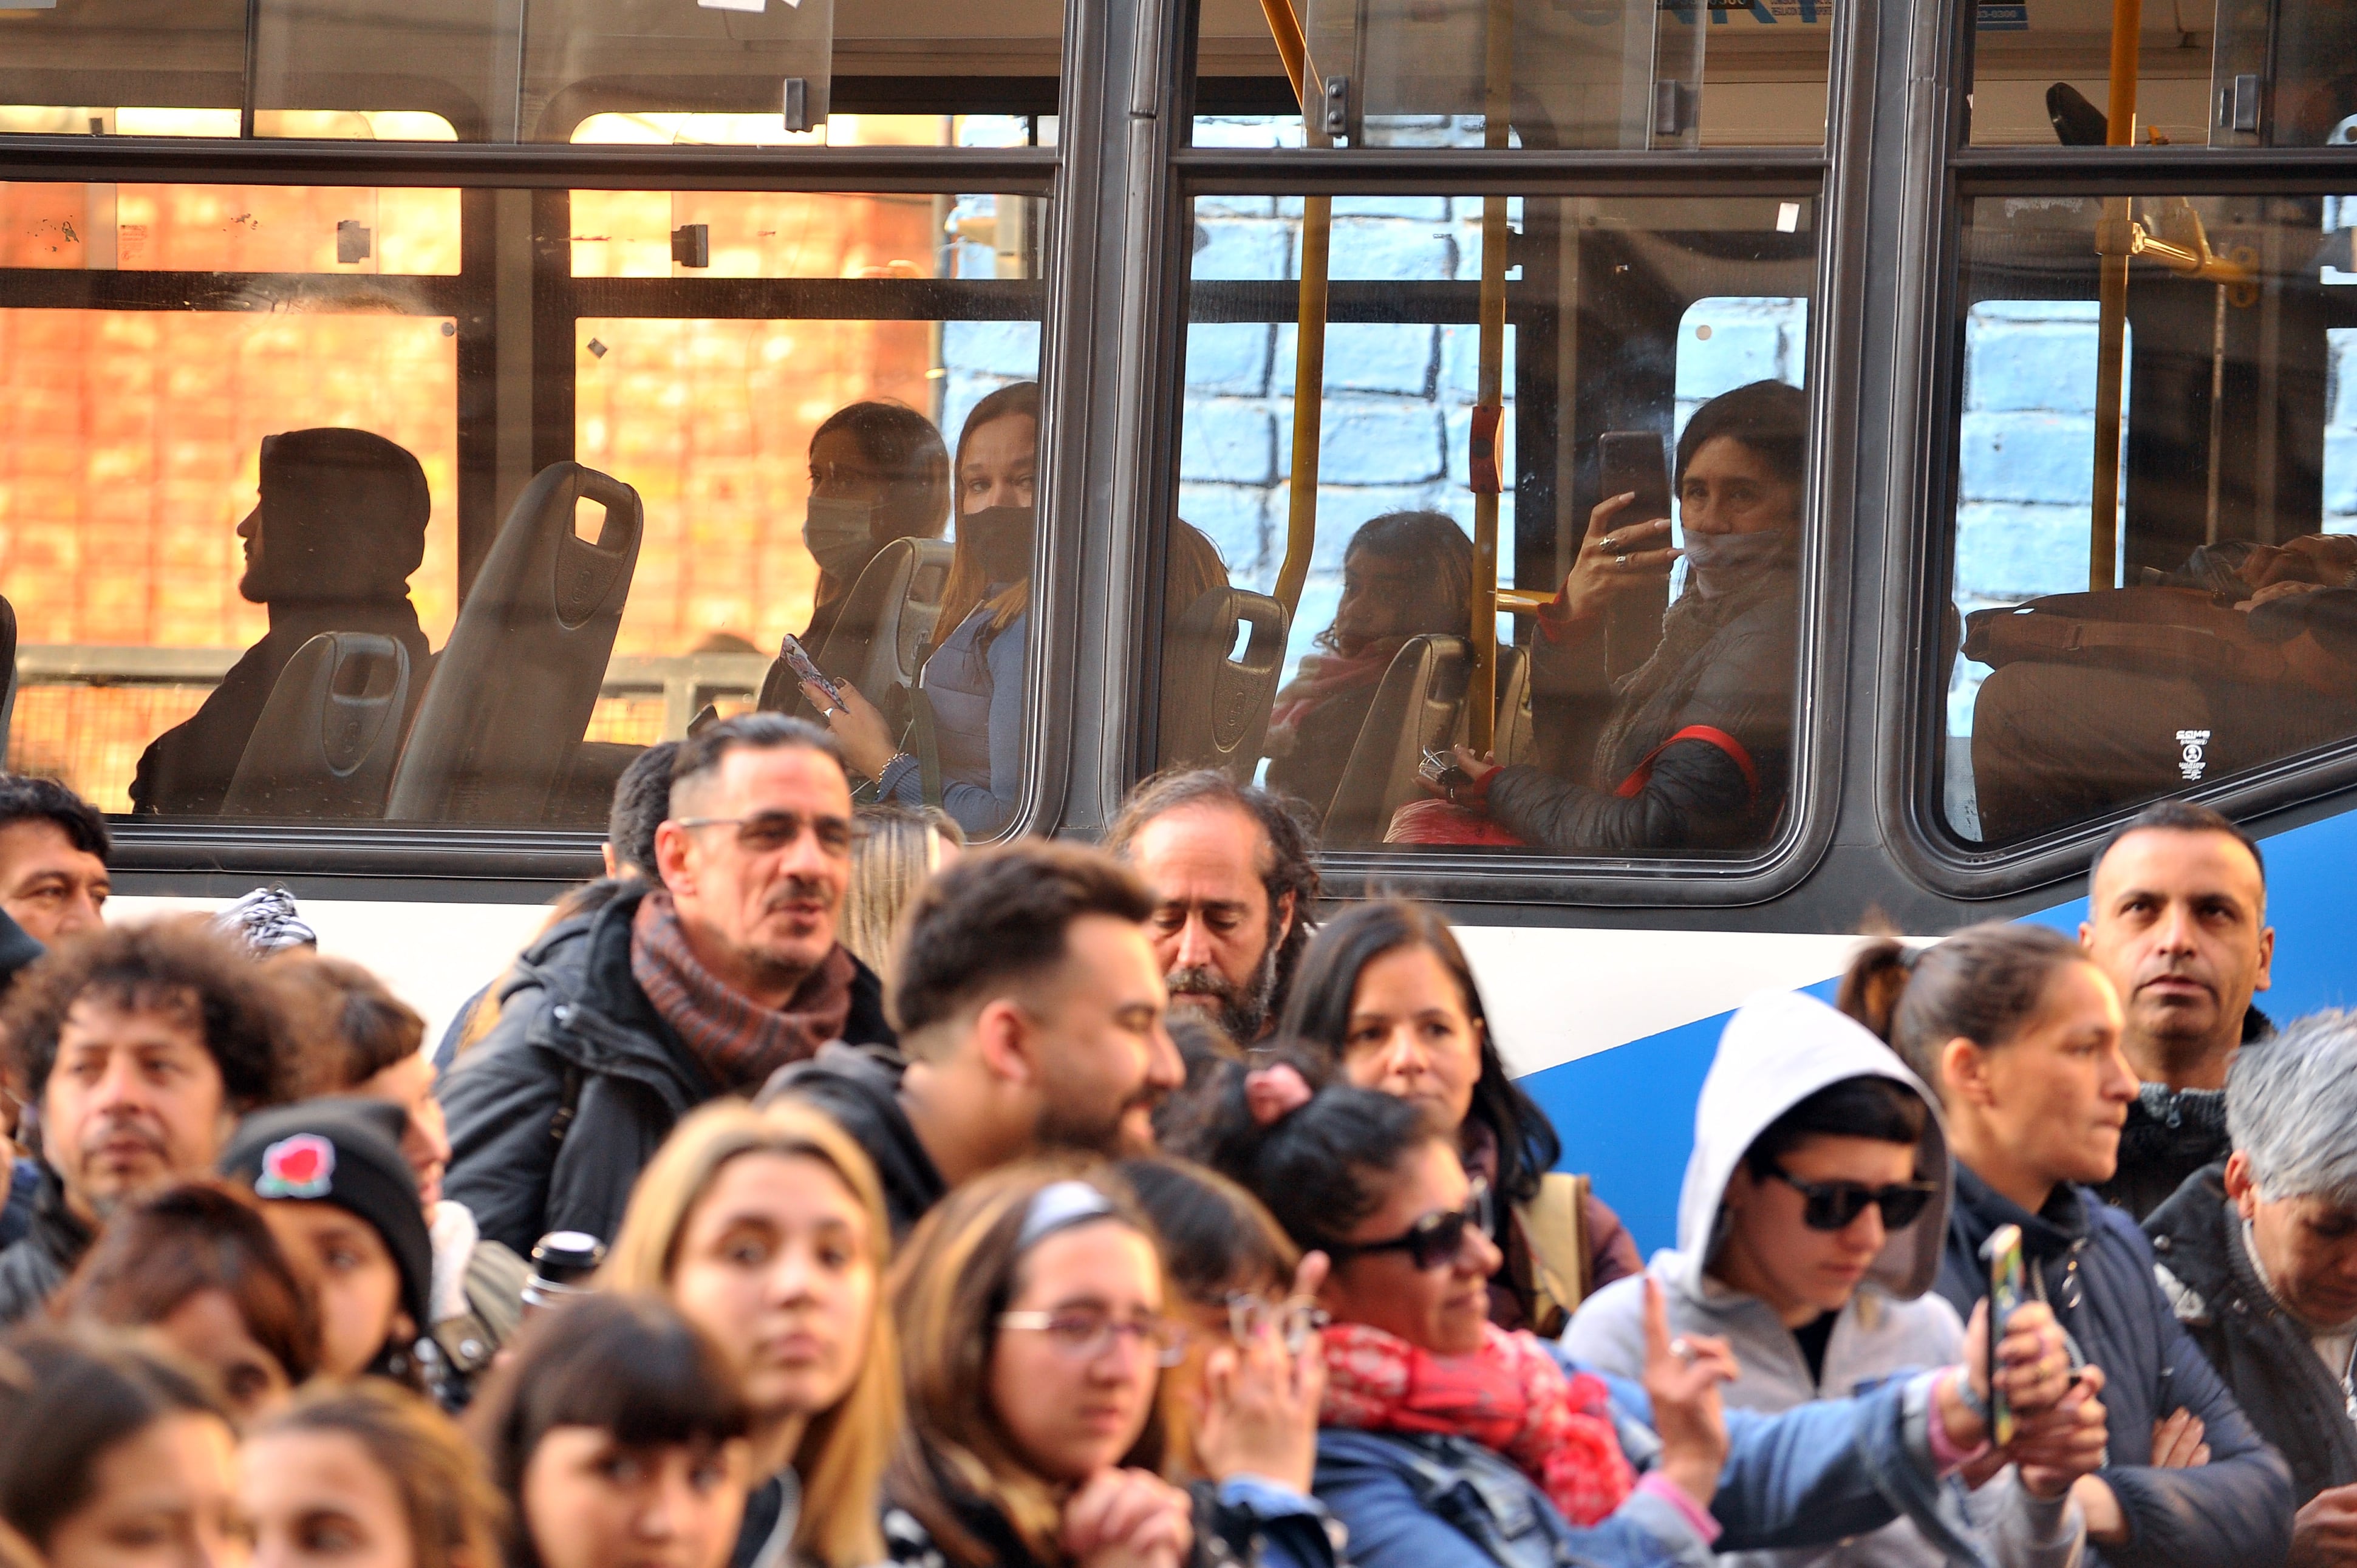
(1292, 1321)
(764, 833)
(1084, 1334)
(1835, 1205)
(1436, 1239)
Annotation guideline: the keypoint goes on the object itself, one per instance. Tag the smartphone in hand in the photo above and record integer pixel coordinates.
(1631, 460)
(1441, 771)
(2003, 1250)
(805, 668)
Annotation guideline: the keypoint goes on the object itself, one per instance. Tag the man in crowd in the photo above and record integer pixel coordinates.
(1030, 1009)
(142, 1045)
(53, 850)
(2177, 917)
(2258, 1253)
(1234, 873)
(700, 984)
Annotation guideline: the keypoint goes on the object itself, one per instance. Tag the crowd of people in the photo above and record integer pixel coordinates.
(815, 1192)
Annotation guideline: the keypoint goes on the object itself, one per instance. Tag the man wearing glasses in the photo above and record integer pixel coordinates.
(698, 985)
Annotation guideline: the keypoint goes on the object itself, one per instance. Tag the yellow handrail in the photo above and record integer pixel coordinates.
(1482, 694)
(2111, 310)
(1310, 334)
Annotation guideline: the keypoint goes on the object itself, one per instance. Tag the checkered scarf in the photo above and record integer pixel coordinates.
(739, 1042)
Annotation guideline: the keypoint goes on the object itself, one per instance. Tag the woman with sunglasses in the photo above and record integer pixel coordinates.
(1448, 1440)
(1031, 1304)
(2020, 1034)
(1246, 1397)
(1809, 1234)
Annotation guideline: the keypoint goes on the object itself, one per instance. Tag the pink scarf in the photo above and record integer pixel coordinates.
(1510, 1396)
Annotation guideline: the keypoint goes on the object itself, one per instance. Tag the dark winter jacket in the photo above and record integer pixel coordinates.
(2090, 1263)
(32, 1270)
(2171, 1133)
(859, 1088)
(2262, 1352)
(1724, 663)
(556, 1112)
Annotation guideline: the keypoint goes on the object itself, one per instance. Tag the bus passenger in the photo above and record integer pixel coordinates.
(2258, 1254)
(1234, 873)
(618, 1436)
(1386, 1000)
(1693, 752)
(2019, 1033)
(1405, 573)
(879, 472)
(1810, 1231)
(975, 677)
(1033, 1310)
(329, 547)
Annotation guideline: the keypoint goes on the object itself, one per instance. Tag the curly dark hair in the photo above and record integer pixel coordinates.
(177, 965)
(1292, 836)
(27, 799)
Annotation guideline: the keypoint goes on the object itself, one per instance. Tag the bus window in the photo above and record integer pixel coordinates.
(219, 483)
(1621, 73)
(1330, 639)
(2218, 73)
(231, 229)
(2154, 582)
(528, 70)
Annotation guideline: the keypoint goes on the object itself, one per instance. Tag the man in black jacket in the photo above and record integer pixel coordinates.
(2177, 918)
(2258, 1254)
(1031, 1004)
(142, 1045)
(678, 993)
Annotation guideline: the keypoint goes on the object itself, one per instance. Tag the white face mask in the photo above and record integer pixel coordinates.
(837, 535)
(1718, 561)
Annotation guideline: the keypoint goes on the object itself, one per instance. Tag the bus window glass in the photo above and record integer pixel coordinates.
(2148, 567)
(243, 514)
(2217, 73)
(100, 66)
(1623, 73)
(1648, 347)
(231, 229)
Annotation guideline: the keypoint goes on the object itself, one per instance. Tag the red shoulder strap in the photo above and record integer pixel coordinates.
(1642, 774)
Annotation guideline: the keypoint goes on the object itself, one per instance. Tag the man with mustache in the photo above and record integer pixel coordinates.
(1234, 873)
(1031, 1008)
(141, 1046)
(2176, 913)
(699, 985)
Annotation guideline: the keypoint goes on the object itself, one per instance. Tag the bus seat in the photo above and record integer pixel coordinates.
(879, 641)
(515, 688)
(1215, 708)
(324, 744)
(7, 675)
(1418, 707)
(1514, 729)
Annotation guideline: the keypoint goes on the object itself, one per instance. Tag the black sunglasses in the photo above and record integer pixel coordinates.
(1835, 1205)
(1433, 1240)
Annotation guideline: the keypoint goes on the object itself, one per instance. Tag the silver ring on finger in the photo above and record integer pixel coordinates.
(1620, 560)
(1683, 1350)
(1607, 543)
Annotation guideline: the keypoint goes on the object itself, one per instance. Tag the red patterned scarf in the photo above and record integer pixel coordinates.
(1510, 1396)
(740, 1042)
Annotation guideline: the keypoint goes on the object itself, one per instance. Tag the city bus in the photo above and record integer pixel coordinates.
(2057, 295)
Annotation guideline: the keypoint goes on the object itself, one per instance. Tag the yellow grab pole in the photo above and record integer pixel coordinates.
(2114, 244)
(1310, 334)
(1482, 695)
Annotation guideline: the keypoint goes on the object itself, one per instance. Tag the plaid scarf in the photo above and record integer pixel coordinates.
(1510, 1396)
(739, 1042)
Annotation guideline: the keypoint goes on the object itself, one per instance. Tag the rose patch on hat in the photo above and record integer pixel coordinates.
(302, 1166)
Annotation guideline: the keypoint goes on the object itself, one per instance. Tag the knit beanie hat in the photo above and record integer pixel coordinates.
(345, 1151)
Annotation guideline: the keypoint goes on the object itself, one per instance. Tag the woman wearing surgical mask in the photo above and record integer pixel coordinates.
(975, 679)
(878, 473)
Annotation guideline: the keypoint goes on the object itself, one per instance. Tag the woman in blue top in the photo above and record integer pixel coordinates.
(975, 677)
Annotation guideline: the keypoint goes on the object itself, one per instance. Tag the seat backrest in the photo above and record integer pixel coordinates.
(1514, 730)
(7, 675)
(513, 690)
(1215, 707)
(325, 741)
(1419, 707)
(878, 639)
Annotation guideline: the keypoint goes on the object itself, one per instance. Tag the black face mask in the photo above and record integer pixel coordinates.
(998, 539)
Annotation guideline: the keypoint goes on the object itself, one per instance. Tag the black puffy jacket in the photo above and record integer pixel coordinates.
(33, 1269)
(576, 1034)
(2262, 1352)
(1724, 663)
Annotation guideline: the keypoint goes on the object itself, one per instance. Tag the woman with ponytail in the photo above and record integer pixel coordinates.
(2020, 1036)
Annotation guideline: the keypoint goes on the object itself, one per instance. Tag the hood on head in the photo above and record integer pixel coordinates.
(1779, 1049)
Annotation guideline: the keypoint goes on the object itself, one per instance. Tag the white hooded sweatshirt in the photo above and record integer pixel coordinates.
(1779, 1049)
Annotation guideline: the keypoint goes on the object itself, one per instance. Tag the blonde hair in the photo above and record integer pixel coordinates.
(844, 1450)
(893, 851)
(962, 1266)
